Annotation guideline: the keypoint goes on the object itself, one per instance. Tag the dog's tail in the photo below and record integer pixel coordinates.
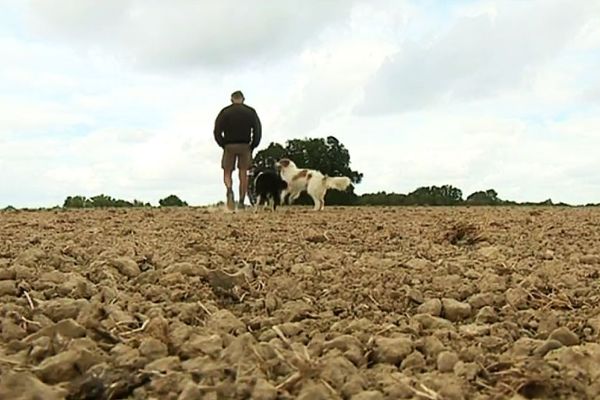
(337, 183)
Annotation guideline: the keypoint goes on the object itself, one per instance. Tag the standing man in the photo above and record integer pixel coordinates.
(238, 132)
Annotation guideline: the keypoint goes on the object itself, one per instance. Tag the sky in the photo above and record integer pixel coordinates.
(119, 97)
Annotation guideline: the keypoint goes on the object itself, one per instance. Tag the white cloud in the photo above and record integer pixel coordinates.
(186, 33)
(481, 55)
(20, 116)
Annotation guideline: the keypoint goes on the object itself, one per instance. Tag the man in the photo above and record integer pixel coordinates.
(238, 132)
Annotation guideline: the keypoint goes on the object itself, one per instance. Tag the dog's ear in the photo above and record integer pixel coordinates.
(284, 162)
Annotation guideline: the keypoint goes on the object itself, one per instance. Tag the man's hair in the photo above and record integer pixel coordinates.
(237, 95)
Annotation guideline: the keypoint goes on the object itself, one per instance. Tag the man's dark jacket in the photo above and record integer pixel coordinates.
(238, 123)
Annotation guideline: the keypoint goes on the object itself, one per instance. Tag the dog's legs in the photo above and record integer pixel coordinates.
(293, 197)
(257, 203)
(266, 202)
(284, 192)
(316, 201)
(317, 193)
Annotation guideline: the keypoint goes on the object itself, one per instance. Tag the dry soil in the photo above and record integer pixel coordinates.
(349, 303)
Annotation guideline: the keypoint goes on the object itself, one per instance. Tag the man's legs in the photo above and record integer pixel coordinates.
(228, 185)
(243, 185)
(228, 164)
(244, 164)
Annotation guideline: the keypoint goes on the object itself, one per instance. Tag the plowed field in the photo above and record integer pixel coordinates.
(348, 303)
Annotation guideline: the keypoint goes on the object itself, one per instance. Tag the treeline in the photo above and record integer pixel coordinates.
(445, 195)
(103, 201)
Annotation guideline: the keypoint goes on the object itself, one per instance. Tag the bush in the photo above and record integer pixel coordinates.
(172, 201)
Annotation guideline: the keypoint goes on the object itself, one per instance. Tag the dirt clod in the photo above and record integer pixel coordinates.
(264, 390)
(392, 350)
(454, 310)
(431, 307)
(66, 366)
(353, 386)
(414, 361)
(431, 322)
(446, 361)
(517, 297)
(467, 370)
(12, 331)
(8, 288)
(225, 322)
(191, 391)
(198, 345)
(546, 347)
(565, 336)
(24, 386)
(368, 395)
(486, 314)
(153, 349)
(126, 266)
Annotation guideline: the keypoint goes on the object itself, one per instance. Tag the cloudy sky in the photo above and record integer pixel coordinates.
(119, 96)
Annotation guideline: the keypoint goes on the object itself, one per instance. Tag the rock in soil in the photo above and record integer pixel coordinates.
(565, 336)
(264, 390)
(414, 361)
(368, 395)
(153, 349)
(547, 346)
(24, 386)
(431, 307)
(66, 365)
(455, 310)
(8, 288)
(126, 266)
(392, 350)
(446, 361)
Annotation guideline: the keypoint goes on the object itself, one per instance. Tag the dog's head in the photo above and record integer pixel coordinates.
(284, 164)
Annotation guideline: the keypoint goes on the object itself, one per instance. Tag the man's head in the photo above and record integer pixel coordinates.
(237, 97)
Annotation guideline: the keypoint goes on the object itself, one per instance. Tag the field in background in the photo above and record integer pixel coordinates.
(376, 303)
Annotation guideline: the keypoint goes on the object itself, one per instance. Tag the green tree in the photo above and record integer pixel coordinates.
(435, 196)
(172, 201)
(75, 202)
(103, 201)
(488, 197)
(327, 155)
(266, 158)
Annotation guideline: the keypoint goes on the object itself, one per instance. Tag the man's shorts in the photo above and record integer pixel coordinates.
(237, 151)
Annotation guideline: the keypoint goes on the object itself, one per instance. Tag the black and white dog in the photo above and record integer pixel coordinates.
(267, 187)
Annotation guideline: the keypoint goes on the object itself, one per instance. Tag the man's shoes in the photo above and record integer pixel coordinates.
(230, 200)
(241, 206)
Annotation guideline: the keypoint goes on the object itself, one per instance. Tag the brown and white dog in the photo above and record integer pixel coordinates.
(314, 182)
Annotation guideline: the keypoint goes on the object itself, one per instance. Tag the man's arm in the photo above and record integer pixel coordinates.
(218, 131)
(256, 131)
